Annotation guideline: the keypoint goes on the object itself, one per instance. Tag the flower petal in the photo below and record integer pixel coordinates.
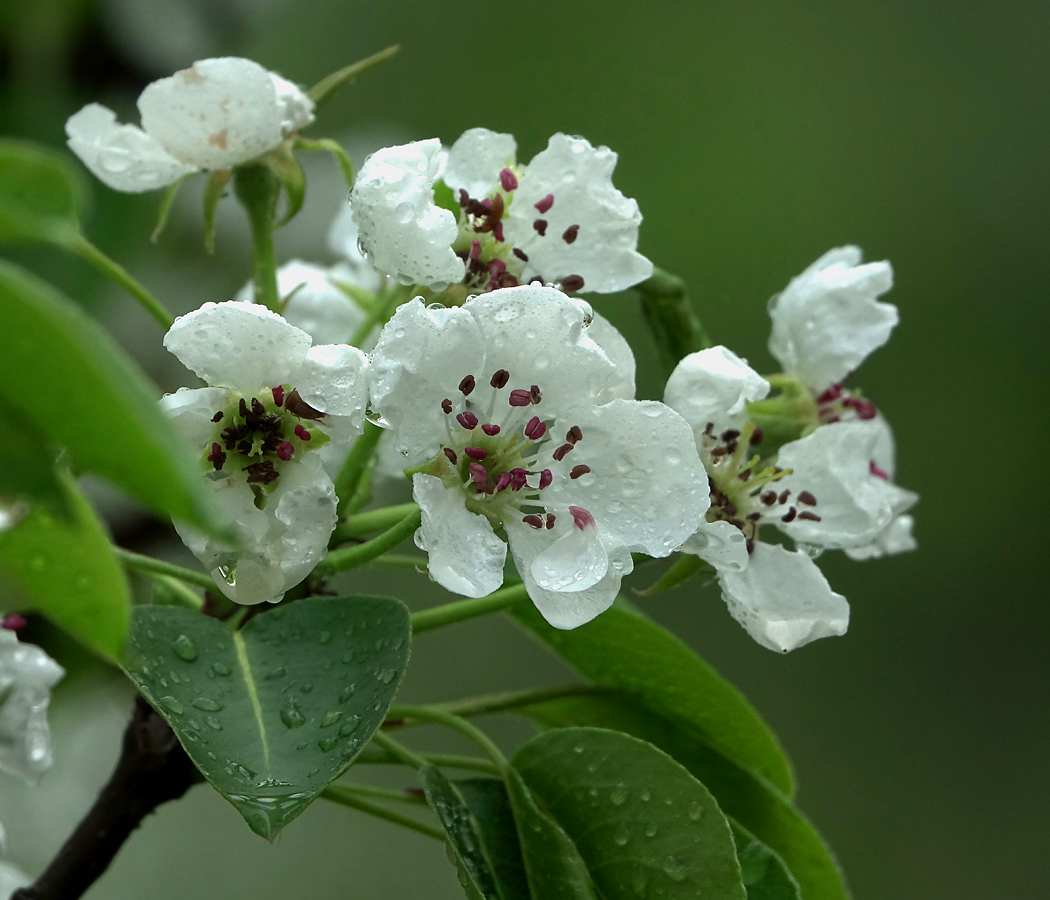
(721, 544)
(238, 345)
(465, 556)
(605, 335)
(216, 114)
(646, 486)
(122, 157)
(603, 247)
(333, 379)
(27, 675)
(783, 599)
(574, 558)
(343, 242)
(476, 159)
(895, 538)
(827, 320)
(296, 107)
(402, 231)
(713, 386)
(191, 409)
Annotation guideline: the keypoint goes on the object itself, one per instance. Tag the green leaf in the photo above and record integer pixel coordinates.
(745, 796)
(642, 824)
(620, 649)
(272, 713)
(494, 822)
(464, 842)
(40, 194)
(65, 567)
(765, 874)
(27, 464)
(214, 189)
(65, 375)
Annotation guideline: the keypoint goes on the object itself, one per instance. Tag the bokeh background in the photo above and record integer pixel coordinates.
(755, 135)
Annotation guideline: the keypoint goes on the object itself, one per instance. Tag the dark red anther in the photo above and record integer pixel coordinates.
(278, 395)
(468, 420)
(551, 519)
(534, 394)
(497, 267)
(811, 517)
(541, 227)
(546, 477)
(257, 407)
(446, 406)
(475, 248)
(865, 409)
(490, 430)
(487, 488)
(807, 499)
(756, 437)
(546, 203)
(261, 473)
(478, 453)
(217, 458)
(508, 180)
(497, 231)
(519, 397)
(570, 234)
(831, 394)
(302, 433)
(13, 622)
(467, 385)
(783, 496)
(581, 517)
(745, 475)
(285, 451)
(574, 434)
(533, 520)
(577, 471)
(520, 254)
(730, 434)
(535, 429)
(559, 454)
(769, 498)
(503, 481)
(499, 379)
(572, 283)
(789, 516)
(507, 280)
(242, 408)
(450, 454)
(478, 473)
(217, 417)
(518, 479)
(877, 472)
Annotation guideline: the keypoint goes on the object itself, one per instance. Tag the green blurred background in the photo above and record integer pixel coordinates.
(755, 136)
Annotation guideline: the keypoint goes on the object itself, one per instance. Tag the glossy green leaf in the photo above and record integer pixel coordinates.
(765, 874)
(64, 566)
(622, 650)
(494, 821)
(40, 194)
(272, 713)
(644, 827)
(27, 464)
(747, 797)
(65, 375)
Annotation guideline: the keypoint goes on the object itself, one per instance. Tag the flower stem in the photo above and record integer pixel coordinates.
(377, 757)
(346, 796)
(378, 793)
(388, 301)
(485, 704)
(443, 717)
(398, 750)
(375, 520)
(258, 188)
(88, 252)
(361, 453)
(147, 565)
(178, 591)
(349, 557)
(671, 318)
(460, 610)
(402, 561)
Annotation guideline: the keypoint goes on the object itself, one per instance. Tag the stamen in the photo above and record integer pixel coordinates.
(508, 180)
(242, 408)
(490, 430)
(258, 408)
(302, 433)
(756, 436)
(478, 473)
(574, 434)
(546, 477)
(520, 254)
(535, 429)
(499, 379)
(518, 478)
(730, 435)
(519, 397)
(570, 234)
(789, 516)
(551, 519)
(475, 248)
(533, 520)
(451, 454)
(572, 283)
(559, 454)
(831, 394)
(261, 473)
(217, 417)
(534, 394)
(503, 482)
(13, 622)
(769, 498)
(278, 395)
(581, 517)
(546, 203)
(285, 451)
(877, 472)
(478, 453)
(807, 499)
(217, 458)
(812, 517)
(468, 420)
(577, 471)
(541, 227)
(446, 406)
(497, 231)
(782, 499)
(467, 385)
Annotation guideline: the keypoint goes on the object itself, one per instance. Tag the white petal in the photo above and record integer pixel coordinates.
(306, 508)
(573, 559)
(605, 335)
(123, 157)
(834, 464)
(646, 487)
(721, 544)
(828, 320)
(297, 109)
(333, 379)
(343, 241)
(27, 675)
(465, 556)
(565, 609)
(11, 879)
(604, 251)
(713, 386)
(216, 114)
(238, 345)
(884, 450)
(402, 231)
(476, 159)
(191, 409)
(895, 538)
(783, 599)
(421, 356)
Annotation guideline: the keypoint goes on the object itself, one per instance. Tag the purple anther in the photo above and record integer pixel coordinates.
(518, 479)
(520, 254)
(278, 395)
(570, 234)
(534, 394)
(217, 458)
(13, 622)
(499, 379)
(572, 283)
(519, 397)
(541, 227)
(551, 519)
(478, 453)
(546, 203)
(508, 180)
(577, 471)
(574, 434)
(450, 454)
(497, 267)
(581, 517)
(446, 406)
(497, 231)
(487, 204)
(865, 409)
(285, 451)
(302, 433)
(467, 385)
(877, 472)
(546, 477)
(831, 394)
(468, 420)
(535, 429)
(478, 473)
(559, 454)
(533, 520)
(490, 430)
(503, 482)
(217, 417)
(475, 248)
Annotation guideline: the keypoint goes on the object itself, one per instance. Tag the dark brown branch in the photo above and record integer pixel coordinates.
(152, 769)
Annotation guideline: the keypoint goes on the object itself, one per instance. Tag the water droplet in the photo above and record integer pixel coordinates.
(330, 718)
(325, 637)
(347, 693)
(619, 796)
(184, 648)
(83, 581)
(645, 794)
(675, 869)
(172, 704)
(326, 744)
(651, 829)
(695, 812)
(279, 672)
(386, 676)
(291, 715)
(579, 748)
(206, 704)
(348, 658)
(328, 665)
(213, 723)
(220, 668)
(622, 835)
(349, 726)
(306, 688)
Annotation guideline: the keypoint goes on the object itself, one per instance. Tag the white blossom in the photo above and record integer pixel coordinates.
(217, 114)
(27, 675)
(498, 405)
(558, 219)
(273, 399)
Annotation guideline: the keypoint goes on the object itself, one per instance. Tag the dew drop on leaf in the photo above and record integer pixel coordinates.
(184, 648)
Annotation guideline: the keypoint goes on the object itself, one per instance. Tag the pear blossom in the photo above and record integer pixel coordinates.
(559, 219)
(217, 114)
(272, 400)
(517, 429)
(27, 675)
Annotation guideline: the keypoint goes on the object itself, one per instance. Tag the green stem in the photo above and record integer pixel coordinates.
(442, 717)
(675, 326)
(349, 557)
(378, 793)
(147, 565)
(178, 591)
(485, 704)
(402, 561)
(346, 797)
(381, 312)
(374, 756)
(375, 520)
(398, 750)
(460, 610)
(258, 188)
(327, 86)
(88, 252)
(356, 462)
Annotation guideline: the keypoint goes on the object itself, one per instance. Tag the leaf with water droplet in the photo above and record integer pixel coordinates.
(184, 648)
(273, 758)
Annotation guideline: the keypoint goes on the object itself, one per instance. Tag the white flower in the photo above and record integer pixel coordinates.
(27, 675)
(273, 399)
(498, 406)
(559, 219)
(827, 320)
(11, 879)
(216, 114)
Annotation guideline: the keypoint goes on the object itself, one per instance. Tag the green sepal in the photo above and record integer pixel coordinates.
(327, 86)
(214, 190)
(285, 166)
(341, 157)
(166, 203)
